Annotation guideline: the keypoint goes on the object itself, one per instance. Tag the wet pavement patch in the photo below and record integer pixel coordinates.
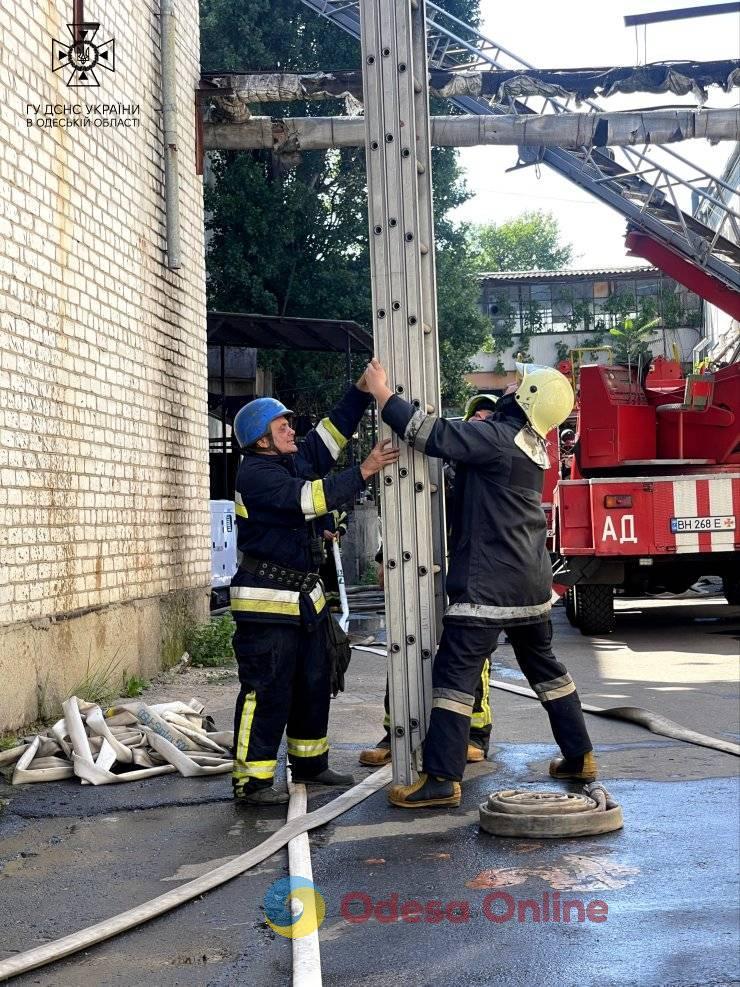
(452, 905)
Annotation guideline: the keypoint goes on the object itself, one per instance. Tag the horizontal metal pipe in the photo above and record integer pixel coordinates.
(567, 130)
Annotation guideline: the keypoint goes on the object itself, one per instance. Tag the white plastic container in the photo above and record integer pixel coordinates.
(223, 542)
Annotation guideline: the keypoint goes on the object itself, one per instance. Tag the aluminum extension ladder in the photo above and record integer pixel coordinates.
(393, 37)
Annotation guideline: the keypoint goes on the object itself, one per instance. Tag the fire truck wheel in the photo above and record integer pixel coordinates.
(570, 607)
(731, 589)
(595, 609)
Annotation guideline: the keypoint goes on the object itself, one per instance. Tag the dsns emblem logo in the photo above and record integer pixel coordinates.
(293, 907)
(83, 56)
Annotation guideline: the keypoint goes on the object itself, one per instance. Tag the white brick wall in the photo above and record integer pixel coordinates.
(103, 426)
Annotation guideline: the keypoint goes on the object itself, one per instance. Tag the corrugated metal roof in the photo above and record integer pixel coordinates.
(567, 274)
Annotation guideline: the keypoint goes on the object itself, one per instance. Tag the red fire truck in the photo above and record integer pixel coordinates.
(653, 499)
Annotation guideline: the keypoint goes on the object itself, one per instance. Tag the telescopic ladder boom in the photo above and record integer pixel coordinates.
(656, 192)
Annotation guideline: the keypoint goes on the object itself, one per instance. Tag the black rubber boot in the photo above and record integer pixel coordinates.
(261, 796)
(582, 768)
(376, 757)
(427, 793)
(325, 777)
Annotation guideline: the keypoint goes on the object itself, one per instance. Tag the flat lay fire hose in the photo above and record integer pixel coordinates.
(655, 722)
(138, 740)
(67, 945)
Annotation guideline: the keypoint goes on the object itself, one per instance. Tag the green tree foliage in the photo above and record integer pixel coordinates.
(530, 242)
(294, 242)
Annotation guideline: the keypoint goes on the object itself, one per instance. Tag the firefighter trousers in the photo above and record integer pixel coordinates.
(455, 674)
(481, 722)
(284, 673)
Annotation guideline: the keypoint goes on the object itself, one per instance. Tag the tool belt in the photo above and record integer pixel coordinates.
(302, 582)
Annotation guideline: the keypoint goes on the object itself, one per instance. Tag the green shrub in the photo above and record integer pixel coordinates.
(133, 685)
(369, 575)
(210, 643)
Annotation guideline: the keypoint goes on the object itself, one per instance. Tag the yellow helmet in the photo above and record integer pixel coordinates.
(544, 395)
(474, 403)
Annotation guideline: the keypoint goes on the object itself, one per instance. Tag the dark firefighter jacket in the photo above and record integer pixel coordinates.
(499, 569)
(276, 499)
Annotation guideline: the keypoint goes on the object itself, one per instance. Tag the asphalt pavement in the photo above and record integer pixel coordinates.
(423, 897)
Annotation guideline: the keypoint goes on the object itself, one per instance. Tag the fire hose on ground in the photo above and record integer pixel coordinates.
(646, 718)
(67, 945)
(506, 813)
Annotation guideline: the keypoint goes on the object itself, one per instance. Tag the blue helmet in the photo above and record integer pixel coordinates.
(253, 420)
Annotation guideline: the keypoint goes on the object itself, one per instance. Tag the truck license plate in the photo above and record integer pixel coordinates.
(683, 524)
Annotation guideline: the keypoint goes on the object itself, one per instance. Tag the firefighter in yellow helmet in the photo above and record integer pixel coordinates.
(499, 575)
(478, 408)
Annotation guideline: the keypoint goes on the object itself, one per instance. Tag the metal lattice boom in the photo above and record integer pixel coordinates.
(655, 191)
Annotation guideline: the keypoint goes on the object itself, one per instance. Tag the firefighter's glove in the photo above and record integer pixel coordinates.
(340, 652)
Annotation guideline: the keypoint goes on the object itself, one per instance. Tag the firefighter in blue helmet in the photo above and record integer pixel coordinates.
(276, 594)
(499, 574)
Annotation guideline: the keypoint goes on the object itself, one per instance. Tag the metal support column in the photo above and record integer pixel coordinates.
(348, 369)
(405, 327)
(224, 445)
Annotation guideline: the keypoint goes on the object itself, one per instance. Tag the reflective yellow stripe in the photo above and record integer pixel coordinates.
(307, 748)
(319, 499)
(330, 435)
(341, 440)
(245, 728)
(243, 768)
(482, 718)
(266, 606)
(255, 599)
(317, 598)
(264, 770)
(313, 499)
(239, 507)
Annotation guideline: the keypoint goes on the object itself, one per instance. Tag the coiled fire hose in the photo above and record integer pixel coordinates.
(550, 815)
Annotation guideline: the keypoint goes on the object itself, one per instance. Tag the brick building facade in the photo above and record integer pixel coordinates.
(104, 522)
